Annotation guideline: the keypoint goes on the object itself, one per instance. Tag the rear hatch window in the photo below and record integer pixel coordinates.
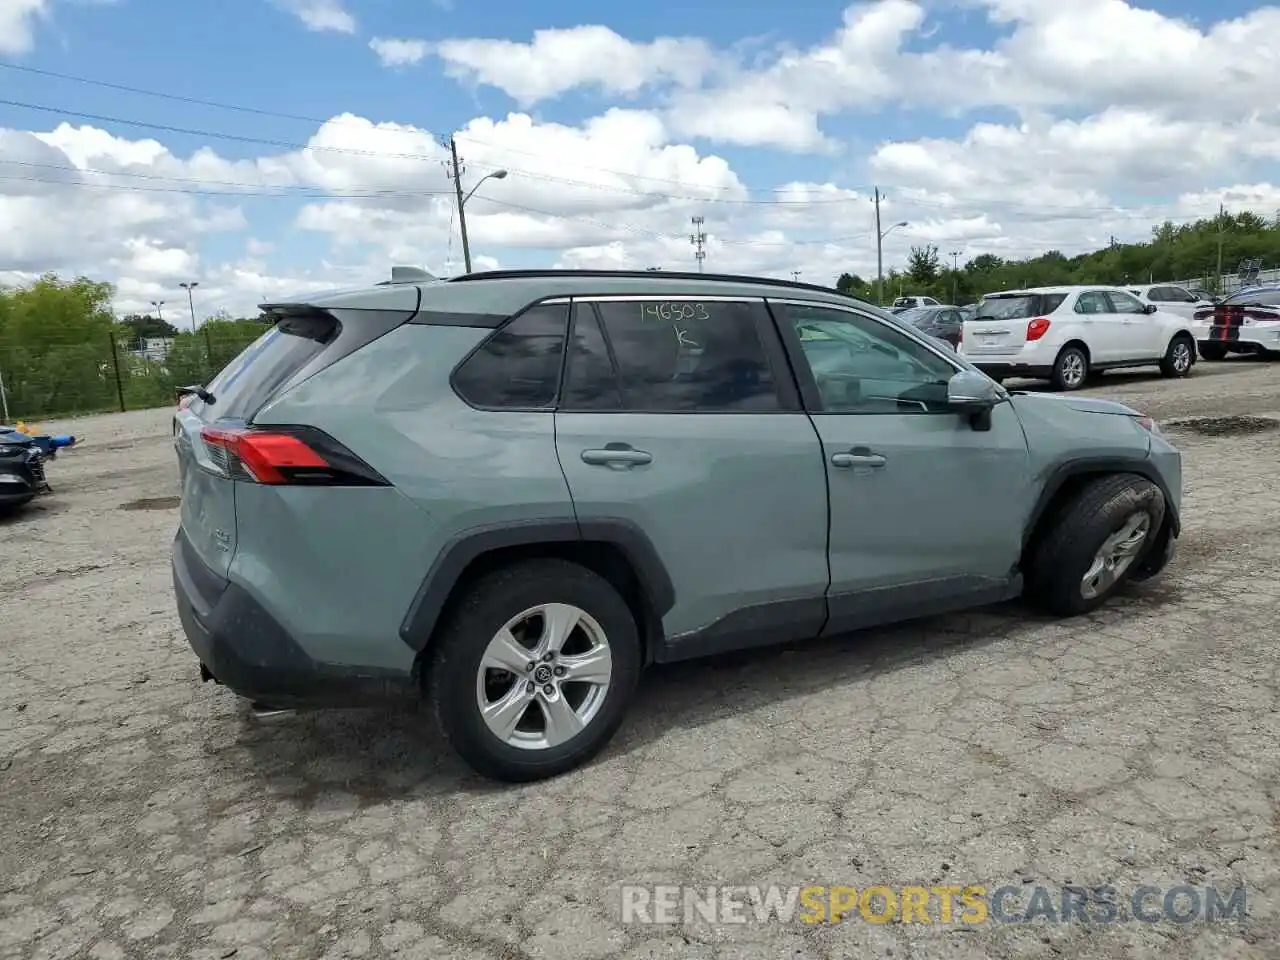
(252, 378)
(1024, 306)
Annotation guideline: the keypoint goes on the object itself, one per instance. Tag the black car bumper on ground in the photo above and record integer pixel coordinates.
(241, 646)
(22, 476)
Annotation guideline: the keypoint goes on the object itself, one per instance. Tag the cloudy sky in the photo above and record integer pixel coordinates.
(267, 147)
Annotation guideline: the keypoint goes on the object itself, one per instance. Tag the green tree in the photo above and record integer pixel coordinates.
(923, 264)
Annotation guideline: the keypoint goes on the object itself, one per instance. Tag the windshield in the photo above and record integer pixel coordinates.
(1019, 306)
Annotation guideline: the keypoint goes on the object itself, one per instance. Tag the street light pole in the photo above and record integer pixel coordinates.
(189, 287)
(159, 313)
(955, 271)
(462, 201)
(880, 252)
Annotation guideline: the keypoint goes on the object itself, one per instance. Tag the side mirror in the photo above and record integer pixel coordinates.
(968, 392)
(1149, 308)
(974, 394)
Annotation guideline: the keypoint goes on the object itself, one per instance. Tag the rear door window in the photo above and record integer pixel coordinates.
(263, 367)
(691, 355)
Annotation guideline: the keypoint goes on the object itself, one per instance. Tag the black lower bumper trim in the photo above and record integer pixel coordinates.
(241, 646)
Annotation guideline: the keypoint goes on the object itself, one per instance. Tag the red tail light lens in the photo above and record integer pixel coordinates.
(289, 456)
(1037, 328)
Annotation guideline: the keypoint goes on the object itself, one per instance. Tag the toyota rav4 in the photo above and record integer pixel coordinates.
(510, 492)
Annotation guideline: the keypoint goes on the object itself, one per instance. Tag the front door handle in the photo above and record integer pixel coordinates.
(858, 457)
(620, 455)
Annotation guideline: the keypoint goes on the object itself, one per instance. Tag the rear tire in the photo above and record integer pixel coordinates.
(1212, 352)
(1068, 572)
(1179, 358)
(456, 680)
(1070, 370)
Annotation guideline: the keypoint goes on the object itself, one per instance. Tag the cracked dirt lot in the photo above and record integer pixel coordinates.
(142, 814)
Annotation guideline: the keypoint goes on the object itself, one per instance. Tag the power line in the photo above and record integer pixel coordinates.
(320, 121)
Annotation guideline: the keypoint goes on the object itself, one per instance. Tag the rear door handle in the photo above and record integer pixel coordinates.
(621, 455)
(858, 457)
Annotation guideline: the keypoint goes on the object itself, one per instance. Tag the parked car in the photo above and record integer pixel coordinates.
(1066, 334)
(426, 489)
(1171, 298)
(1245, 322)
(907, 303)
(942, 321)
(22, 474)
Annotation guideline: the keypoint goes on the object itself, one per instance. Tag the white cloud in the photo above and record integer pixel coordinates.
(321, 15)
(399, 53)
(559, 60)
(17, 24)
(1088, 55)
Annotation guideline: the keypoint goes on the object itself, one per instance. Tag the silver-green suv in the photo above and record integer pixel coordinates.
(509, 492)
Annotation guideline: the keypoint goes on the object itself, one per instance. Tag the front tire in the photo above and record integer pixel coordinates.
(1070, 370)
(533, 672)
(1179, 357)
(1092, 545)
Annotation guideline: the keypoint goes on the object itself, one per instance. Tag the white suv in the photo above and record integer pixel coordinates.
(1064, 334)
(1171, 298)
(1245, 322)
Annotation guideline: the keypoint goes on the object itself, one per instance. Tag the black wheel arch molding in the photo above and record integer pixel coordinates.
(1067, 471)
(437, 588)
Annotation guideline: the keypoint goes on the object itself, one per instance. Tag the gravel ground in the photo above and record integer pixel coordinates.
(143, 814)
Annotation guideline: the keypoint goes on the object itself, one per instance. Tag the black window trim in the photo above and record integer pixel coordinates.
(788, 394)
(804, 374)
(551, 301)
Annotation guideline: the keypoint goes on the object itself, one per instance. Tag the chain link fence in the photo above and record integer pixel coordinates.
(112, 372)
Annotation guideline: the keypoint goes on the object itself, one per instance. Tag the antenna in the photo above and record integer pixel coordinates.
(698, 238)
(410, 274)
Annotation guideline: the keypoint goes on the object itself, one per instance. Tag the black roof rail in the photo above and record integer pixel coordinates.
(650, 275)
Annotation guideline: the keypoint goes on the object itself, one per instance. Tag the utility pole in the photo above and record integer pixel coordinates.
(795, 275)
(879, 255)
(955, 272)
(698, 238)
(1221, 233)
(456, 176)
(191, 302)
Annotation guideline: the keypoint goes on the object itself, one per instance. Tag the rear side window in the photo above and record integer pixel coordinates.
(263, 367)
(519, 366)
(690, 355)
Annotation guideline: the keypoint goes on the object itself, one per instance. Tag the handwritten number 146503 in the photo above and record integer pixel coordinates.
(674, 311)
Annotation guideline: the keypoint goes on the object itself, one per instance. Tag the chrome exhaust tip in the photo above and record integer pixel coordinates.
(261, 711)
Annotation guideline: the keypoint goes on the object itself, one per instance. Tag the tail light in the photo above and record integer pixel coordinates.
(286, 456)
(1037, 328)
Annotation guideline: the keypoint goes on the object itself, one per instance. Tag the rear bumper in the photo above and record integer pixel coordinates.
(241, 646)
(1240, 346)
(1009, 368)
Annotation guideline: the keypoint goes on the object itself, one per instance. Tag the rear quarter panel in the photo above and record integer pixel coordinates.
(341, 566)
